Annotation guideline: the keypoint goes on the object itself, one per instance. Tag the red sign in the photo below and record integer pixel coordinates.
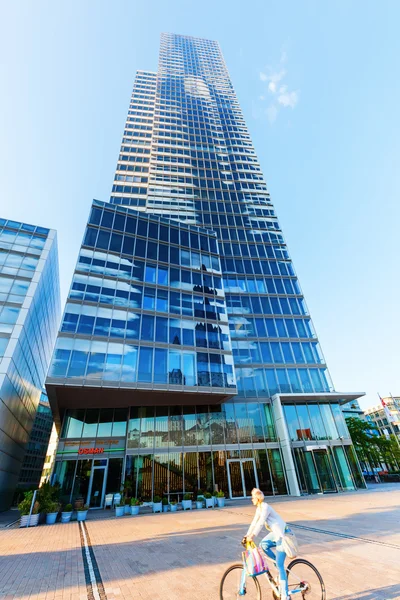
(91, 451)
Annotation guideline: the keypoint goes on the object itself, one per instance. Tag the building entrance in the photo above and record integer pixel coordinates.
(97, 485)
(315, 470)
(242, 477)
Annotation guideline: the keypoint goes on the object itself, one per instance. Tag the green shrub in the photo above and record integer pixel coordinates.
(207, 495)
(68, 508)
(83, 508)
(156, 499)
(165, 501)
(173, 502)
(24, 507)
(187, 497)
(220, 494)
(135, 502)
(215, 494)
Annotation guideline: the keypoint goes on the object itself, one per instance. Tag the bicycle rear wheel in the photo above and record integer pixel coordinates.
(305, 582)
(230, 585)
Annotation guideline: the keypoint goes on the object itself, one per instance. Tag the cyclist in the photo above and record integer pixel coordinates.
(266, 515)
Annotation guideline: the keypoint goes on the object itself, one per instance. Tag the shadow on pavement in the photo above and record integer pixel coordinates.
(391, 592)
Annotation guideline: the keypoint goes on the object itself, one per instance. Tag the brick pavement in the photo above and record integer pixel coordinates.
(182, 555)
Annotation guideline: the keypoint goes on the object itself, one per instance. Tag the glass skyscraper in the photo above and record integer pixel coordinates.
(29, 317)
(187, 356)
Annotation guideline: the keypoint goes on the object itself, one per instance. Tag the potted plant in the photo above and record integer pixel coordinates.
(199, 501)
(52, 509)
(221, 499)
(66, 514)
(165, 504)
(187, 502)
(24, 508)
(209, 500)
(173, 505)
(127, 508)
(157, 504)
(82, 512)
(214, 495)
(135, 503)
(119, 510)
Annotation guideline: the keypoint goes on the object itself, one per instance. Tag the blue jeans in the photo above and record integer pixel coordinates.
(279, 556)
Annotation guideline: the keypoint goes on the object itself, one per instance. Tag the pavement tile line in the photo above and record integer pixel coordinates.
(336, 534)
(94, 583)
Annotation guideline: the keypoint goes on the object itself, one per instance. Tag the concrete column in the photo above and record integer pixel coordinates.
(286, 446)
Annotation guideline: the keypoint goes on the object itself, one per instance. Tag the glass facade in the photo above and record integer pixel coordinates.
(36, 450)
(29, 317)
(184, 290)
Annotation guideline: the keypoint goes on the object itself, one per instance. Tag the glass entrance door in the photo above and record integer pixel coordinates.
(324, 470)
(242, 477)
(97, 487)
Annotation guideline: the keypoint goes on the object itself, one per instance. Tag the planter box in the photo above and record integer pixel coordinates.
(81, 515)
(199, 504)
(209, 502)
(127, 509)
(187, 504)
(157, 507)
(134, 510)
(51, 518)
(214, 498)
(221, 502)
(165, 508)
(33, 520)
(119, 511)
(173, 507)
(66, 517)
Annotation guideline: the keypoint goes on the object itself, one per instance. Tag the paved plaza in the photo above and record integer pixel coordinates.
(353, 539)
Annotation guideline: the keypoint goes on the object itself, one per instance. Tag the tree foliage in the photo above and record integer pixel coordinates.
(372, 448)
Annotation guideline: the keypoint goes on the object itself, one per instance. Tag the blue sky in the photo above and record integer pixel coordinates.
(319, 87)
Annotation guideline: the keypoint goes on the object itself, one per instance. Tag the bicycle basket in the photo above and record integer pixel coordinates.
(290, 545)
(254, 560)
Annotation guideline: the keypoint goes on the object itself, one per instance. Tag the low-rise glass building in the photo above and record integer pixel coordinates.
(29, 318)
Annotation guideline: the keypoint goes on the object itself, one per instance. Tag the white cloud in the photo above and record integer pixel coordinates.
(272, 113)
(288, 99)
(277, 89)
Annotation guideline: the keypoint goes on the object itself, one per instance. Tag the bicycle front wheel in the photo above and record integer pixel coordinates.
(305, 582)
(230, 585)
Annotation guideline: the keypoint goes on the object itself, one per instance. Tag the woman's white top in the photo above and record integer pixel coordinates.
(266, 515)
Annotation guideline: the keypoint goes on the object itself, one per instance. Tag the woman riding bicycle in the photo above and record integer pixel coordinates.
(266, 515)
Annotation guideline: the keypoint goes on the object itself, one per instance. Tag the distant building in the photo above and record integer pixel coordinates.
(29, 316)
(376, 415)
(353, 409)
(36, 451)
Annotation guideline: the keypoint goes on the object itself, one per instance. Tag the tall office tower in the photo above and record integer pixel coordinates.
(185, 329)
(29, 317)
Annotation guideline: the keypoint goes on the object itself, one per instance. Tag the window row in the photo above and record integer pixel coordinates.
(24, 227)
(18, 261)
(261, 285)
(94, 422)
(315, 422)
(276, 352)
(133, 364)
(141, 248)
(265, 305)
(136, 270)
(261, 382)
(13, 290)
(120, 293)
(104, 322)
(241, 327)
(172, 426)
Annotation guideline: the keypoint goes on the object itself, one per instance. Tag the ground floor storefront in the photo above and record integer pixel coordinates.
(170, 451)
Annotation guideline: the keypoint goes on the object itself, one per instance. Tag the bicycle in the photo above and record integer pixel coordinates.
(303, 579)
